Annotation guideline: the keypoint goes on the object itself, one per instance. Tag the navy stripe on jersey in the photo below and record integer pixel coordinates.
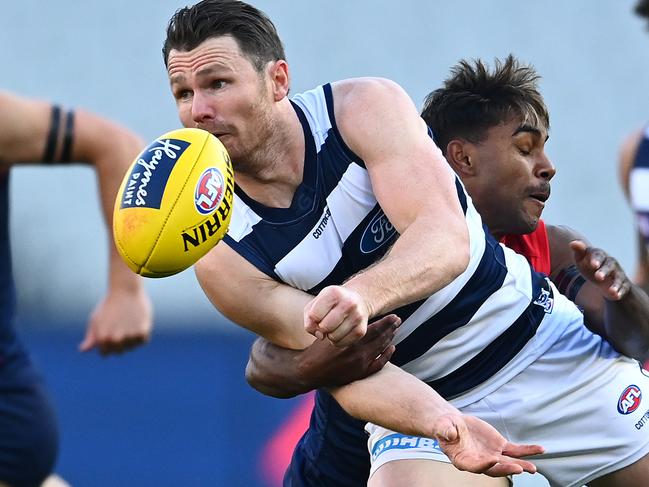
(642, 154)
(499, 352)
(462, 196)
(244, 250)
(486, 280)
(329, 98)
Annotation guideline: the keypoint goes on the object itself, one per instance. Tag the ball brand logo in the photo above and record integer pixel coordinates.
(209, 191)
(149, 176)
(378, 233)
(629, 400)
(200, 233)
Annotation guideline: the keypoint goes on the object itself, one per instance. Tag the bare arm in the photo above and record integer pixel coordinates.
(613, 306)
(280, 372)
(123, 319)
(642, 270)
(627, 156)
(415, 188)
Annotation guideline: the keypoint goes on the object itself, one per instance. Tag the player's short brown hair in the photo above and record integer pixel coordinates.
(251, 28)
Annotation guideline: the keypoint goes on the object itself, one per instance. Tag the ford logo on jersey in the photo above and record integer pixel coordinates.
(378, 233)
(629, 400)
(150, 173)
(209, 191)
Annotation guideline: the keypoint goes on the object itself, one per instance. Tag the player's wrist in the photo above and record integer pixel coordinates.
(305, 375)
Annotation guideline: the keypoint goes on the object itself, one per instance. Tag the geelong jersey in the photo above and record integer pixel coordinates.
(471, 331)
(639, 187)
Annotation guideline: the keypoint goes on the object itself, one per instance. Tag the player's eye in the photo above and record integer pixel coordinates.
(218, 84)
(182, 95)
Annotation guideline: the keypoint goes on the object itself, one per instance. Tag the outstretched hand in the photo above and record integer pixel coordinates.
(475, 446)
(601, 269)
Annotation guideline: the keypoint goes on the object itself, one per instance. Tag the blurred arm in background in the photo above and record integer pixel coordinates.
(38, 131)
(634, 177)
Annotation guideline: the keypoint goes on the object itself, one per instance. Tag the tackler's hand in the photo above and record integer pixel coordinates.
(601, 269)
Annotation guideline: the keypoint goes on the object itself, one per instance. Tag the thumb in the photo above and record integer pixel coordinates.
(579, 248)
(448, 431)
(88, 342)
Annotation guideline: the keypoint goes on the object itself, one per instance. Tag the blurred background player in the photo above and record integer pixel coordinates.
(634, 174)
(38, 131)
(476, 119)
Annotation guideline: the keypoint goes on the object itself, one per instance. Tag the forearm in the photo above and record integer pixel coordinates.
(414, 268)
(274, 371)
(395, 400)
(645, 287)
(626, 323)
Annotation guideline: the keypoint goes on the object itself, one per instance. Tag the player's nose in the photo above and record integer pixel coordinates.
(545, 168)
(202, 110)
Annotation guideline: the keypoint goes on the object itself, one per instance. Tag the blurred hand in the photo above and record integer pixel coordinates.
(475, 446)
(601, 269)
(338, 313)
(120, 322)
(323, 365)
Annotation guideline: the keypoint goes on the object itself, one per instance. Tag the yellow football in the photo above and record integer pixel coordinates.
(174, 203)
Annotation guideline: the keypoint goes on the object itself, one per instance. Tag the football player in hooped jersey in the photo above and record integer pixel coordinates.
(501, 168)
(32, 131)
(343, 196)
(228, 75)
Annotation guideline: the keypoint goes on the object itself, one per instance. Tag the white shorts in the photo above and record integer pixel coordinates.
(587, 405)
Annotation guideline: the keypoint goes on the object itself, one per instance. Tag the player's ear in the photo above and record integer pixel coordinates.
(460, 157)
(279, 77)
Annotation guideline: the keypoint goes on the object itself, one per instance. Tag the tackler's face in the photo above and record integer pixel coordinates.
(218, 89)
(514, 176)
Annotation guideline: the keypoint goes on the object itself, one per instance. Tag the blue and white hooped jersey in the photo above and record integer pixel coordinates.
(485, 324)
(639, 186)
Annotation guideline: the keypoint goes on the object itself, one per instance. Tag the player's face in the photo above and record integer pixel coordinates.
(513, 177)
(218, 89)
